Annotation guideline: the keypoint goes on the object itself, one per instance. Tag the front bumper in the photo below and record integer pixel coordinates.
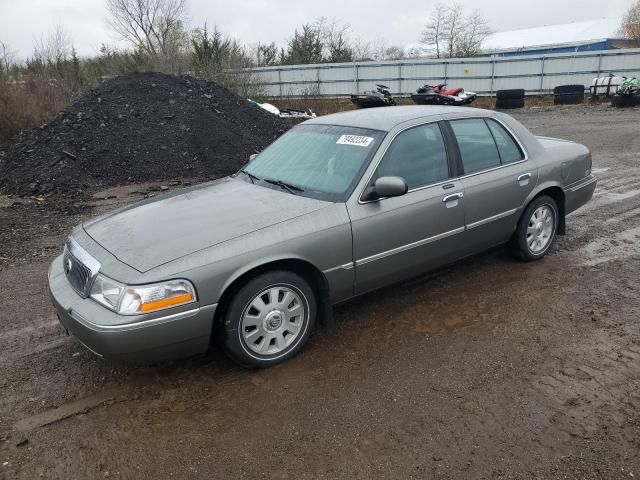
(172, 333)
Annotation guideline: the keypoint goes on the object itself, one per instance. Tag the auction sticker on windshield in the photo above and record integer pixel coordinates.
(357, 140)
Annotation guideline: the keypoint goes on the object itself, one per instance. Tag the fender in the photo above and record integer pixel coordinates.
(261, 263)
(561, 208)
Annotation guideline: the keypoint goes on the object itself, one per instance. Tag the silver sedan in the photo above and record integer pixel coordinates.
(337, 207)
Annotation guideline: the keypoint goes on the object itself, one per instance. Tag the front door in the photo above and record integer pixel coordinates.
(396, 238)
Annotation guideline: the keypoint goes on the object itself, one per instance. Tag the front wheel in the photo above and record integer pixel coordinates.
(269, 319)
(536, 229)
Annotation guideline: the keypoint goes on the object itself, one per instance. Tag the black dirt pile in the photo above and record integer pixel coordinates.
(137, 128)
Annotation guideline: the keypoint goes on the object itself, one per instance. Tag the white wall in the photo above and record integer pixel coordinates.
(484, 75)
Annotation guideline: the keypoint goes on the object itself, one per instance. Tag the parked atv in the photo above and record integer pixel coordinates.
(380, 97)
(437, 95)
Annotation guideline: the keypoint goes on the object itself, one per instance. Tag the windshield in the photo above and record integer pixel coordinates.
(319, 161)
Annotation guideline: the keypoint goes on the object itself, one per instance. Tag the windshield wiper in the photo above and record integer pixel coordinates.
(287, 186)
(253, 178)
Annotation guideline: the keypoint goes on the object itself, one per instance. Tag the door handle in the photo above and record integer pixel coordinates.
(453, 196)
(524, 176)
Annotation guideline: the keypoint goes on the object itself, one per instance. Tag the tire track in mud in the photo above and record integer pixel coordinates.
(588, 397)
(607, 229)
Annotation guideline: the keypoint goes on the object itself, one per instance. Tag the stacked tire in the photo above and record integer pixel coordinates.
(568, 95)
(623, 101)
(509, 99)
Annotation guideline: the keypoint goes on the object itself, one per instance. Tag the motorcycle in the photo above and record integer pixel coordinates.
(380, 97)
(437, 95)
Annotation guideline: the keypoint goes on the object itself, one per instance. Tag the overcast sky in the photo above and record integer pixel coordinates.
(398, 21)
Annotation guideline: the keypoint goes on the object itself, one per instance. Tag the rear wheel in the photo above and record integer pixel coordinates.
(269, 319)
(536, 229)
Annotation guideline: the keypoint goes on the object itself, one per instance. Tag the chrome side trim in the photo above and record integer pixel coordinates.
(484, 221)
(419, 243)
(499, 167)
(435, 238)
(136, 325)
(346, 266)
(589, 181)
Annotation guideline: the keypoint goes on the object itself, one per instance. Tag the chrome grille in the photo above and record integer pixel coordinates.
(79, 267)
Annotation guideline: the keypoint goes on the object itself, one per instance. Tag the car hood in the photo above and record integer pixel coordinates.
(160, 230)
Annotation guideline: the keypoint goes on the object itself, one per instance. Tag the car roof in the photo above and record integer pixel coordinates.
(385, 118)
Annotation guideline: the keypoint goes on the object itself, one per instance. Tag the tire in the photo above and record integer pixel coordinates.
(513, 94)
(623, 101)
(569, 89)
(268, 335)
(568, 98)
(529, 230)
(510, 103)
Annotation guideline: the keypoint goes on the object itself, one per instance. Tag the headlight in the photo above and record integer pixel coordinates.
(132, 300)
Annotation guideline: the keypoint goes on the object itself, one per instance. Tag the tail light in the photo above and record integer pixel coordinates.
(590, 160)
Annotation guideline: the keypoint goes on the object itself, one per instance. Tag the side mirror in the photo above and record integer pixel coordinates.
(390, 187)
(252, 156)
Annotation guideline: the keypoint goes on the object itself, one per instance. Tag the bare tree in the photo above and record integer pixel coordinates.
(335, 37)
(7, 57)
(476, 30)
(451, 33)
(394, 52)
(149, 25)
(453, 27)
(433, 34)
(362, 49)
(55, 47)
(631, 22)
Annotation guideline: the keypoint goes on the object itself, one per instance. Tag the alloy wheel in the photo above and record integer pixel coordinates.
(540, 229)
(273, 319)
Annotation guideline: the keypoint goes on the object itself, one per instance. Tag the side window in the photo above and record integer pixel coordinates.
(477, 147)
(418, 155)
(509, 150)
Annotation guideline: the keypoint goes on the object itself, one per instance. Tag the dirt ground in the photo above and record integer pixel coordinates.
(490, 368)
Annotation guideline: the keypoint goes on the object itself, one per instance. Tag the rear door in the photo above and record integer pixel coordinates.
(396, 238)
(497, 179)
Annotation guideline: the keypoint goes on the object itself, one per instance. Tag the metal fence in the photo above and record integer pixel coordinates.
(484, 75)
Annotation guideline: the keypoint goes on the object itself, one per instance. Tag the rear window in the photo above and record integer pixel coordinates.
(477, 146)
(507, 147)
